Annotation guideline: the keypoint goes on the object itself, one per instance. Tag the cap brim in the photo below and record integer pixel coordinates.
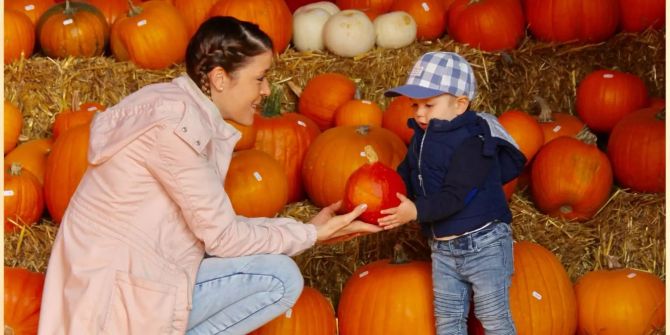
(413, 91)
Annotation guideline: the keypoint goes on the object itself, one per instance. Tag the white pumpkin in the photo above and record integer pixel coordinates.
(308, 28)
(395, 30)
(328, 6)
(349, 33)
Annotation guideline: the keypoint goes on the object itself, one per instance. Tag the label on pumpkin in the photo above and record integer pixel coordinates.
(92, 108)
(556, 129)
(362, 274)
(29, 7)
(608, 75)
(300, 123)
(9, 193)
(363, 154)
(258, 176)
(289, 313)
(425, 6)
(367, 102)
(536, 295)
(141, 22)
(68, 22)
(632, 275)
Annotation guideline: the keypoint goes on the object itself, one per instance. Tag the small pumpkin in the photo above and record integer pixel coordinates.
(606, 96)
(66, 165)
(12, 127)
(312, 314)
(147, 27)
(338, 152)
(398, 111)
(359, 112)
(256, 184)
(23, 198)
(71, 118)
(32, 156)
(429, 15)
(525, 130)
(636, 148)
(19, 35)
(620, 302)
(490, 25)
(72, 29)
(323, 94)
(23, 300)
(248, 135)
(272, 16)
(394, 30)
(373, 184)
(32, 8)
(570, 179)
(349, 33)
(401, 292)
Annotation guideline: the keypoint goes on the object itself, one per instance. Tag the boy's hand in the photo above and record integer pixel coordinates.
(398, 216)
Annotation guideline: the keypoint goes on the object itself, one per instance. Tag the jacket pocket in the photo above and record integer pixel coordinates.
(140, 306)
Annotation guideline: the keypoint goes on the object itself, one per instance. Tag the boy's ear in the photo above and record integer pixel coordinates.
(463, 102)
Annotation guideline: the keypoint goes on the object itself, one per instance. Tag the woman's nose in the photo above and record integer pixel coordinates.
(265, 88)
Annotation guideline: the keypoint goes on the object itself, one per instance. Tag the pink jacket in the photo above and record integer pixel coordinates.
(149, 206)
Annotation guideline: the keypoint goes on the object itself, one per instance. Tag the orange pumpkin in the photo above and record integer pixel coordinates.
(72, 29)
(23, 299)
(32, 156)
(401, 292)
(111, 9)
(32, 8)
(489, 25)
(312, 314)
(429, 15)
(148, 27)
(557, 124)
(12, 127)
(636, 148)
(256, 184)
(194, 12)
(286, 137)
(570, 20)
(373, 184)
(525, 131)
(379, 6)
(656, 102)
(359, 112)
(638, 15)
(19, 35)
(248, 135)
(606, 96)
(396, 115)
(272, 16)
(68, 119)
(510, 187)
(570, 179)
(338, 152)
(23, 198)
(66, 165)
(541, 297)
(323, 94)
(620, 302)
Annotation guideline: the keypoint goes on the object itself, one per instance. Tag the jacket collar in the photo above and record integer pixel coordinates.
(438, 125)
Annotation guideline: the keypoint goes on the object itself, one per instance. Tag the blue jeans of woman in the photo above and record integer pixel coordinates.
(238, 295)
(480, 265)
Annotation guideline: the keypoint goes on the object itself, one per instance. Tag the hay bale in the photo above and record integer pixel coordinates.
(629, 230)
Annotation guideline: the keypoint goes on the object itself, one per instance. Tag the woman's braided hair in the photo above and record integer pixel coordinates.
(226, 42)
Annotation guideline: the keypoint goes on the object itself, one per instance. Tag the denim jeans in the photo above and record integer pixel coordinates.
(238, 295)
(479, 264)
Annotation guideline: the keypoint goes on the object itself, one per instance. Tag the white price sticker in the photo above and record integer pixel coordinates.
(363, 274)
(301, 123)
(29, 7)
(556, 129)
(68, 22)
(425, 6)
(289, 313)
(608, 75)
(258, 176)
(141, 22)
(536, 295)
(632, 275)
(9, 193)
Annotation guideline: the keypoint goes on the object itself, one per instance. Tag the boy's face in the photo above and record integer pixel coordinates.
(441, 107)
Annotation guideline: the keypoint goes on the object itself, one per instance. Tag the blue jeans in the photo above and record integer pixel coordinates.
(479, 263)
(238, 295)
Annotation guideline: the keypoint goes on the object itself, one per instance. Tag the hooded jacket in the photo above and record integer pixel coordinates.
(455, 171)
(148, 208)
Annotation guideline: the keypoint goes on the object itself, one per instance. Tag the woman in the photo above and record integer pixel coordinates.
(129, 255)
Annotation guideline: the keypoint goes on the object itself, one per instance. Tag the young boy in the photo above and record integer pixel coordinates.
(455, 168)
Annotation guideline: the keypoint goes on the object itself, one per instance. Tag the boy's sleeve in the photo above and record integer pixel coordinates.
(403, 171)
(468, 170)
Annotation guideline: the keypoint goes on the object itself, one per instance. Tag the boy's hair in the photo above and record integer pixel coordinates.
(437, 73)
(226, 42)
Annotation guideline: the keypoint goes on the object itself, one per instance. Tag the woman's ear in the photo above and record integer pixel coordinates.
(217, 78)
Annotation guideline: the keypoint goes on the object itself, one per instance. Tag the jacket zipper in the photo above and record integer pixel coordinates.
(423, 189)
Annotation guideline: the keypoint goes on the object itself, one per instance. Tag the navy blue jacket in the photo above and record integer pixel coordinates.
(455, 171)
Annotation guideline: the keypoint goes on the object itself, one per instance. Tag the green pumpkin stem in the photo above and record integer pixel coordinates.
(15, 169)
(272, 103)
(585, 135)
(133, 9)
(363, 129)
(545, 110)
(399, 255)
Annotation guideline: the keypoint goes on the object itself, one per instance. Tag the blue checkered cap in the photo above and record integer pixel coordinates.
(436, 73)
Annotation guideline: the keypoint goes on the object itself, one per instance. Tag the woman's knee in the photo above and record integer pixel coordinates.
(288, 273)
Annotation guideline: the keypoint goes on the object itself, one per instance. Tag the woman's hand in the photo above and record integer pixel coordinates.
(336, 228)
(398, 216)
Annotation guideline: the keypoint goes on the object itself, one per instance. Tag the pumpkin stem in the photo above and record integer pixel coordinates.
(585, 135)
(363, 129)
(545, 110)
(15, 169)
(9, 330)
(68, 9)
(613, 262)
(357, 93)
(272, 103)
(75, 101)
(371, 154)
(399, 255)
(472, 2)
(133, 9)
